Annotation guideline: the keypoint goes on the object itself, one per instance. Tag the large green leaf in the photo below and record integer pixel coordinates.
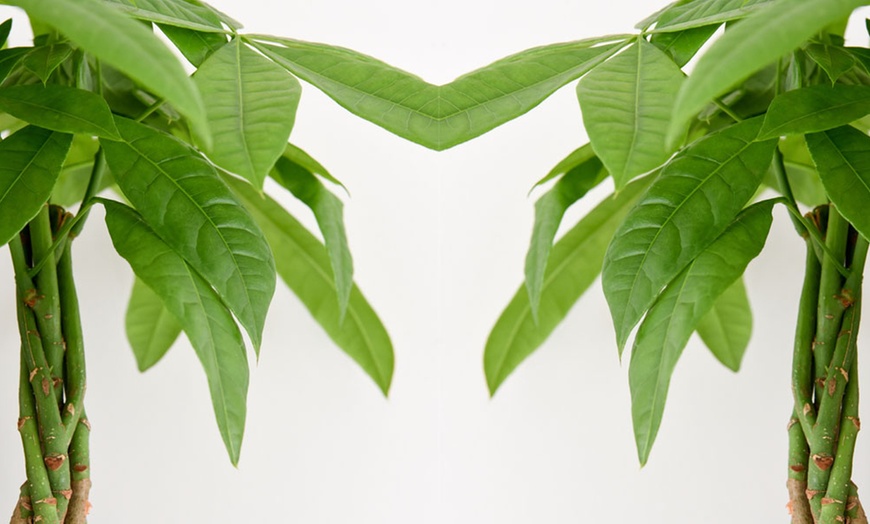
(328, 210)
(438, 117)
(304, 265)
(151, 328)
(815, 108)
(32, 159)
(178, 13)
(843, 158)
(196, 46)
(699, 13)
(60, 108)
(574, 264)
(191, 208)
(757, 41)
(251, 105)
(203, 316)
(626, 104)
(834, 60)
(126, 45)
(691, 203)
(727, 327)
(681, 46)
(549, 210)
(670, 322)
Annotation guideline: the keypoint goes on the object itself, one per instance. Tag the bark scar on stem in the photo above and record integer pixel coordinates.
(54, 462)
(855, 421)
(823, 462)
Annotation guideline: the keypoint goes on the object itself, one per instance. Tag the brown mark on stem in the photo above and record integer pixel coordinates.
(823, 461)
(54, 462)
(79, 505)
(798, 505)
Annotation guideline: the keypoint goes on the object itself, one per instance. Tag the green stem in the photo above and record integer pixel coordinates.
(785, 188)
(831, 303)
(61, 235)
(42, 502)
(81, 472)
(75, 358)
(840, 483)
(727, 110)
(814, 233)
(798, 461)
(98, 172)
(802, 357)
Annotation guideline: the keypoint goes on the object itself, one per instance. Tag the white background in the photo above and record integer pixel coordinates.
(439, 241)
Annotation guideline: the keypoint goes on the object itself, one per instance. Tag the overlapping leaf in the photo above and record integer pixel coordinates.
(574, 264)
(60, 108)
(9, 58)
(196, 46)
(667, 327)
(699, 13)
(727, 327)
(691, 203)
(439, 117)
(43, 60)
(834, 60)
(151, 328)
(815, 108)
(32, 159)
(626, 104)
(178, 13)
(304, 265)
(186, 203)
(681, 46)
(206, 321)
(251, 106)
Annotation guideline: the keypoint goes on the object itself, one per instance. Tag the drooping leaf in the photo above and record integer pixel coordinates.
(549, 210)
(667, 327)
(59, 108)
(834, 60)
(681, 46)
(32, 158)
(251, 106)
(178, 13)
(196, 46)
(699, 13)
(626, 105)
(329, 212)
(43, 60)
(691, 203)
(125, 44)
(760, 39)
(574, 264)
(201, 313)
(191, 208)
(574, 159)
(815, 108)
(303, 159)
(9, 58)
(842, 156)
(151, 328)
(438, 117)
(727, 327)
(304, 265)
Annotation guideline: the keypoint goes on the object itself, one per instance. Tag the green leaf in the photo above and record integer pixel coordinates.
(549, 210)
(667, 327)
(699, 13)
(76, 172)
(574, 264)
(328, 210)
(727, 327)
(9, 58)
(438, 117)
(32, 158)
(126, 45)
(186, 203)
(757, 41)
(626, 105)
(815, 108)
(178, 13)
(303, 159)
(204, 318)
(5, 28)
(304, 265)
(43, 60)
(251, 105)
(196, 46)
(60, 108)
(681, 46)
(574, 159)
(835, 60)
(842, 156)
(691, 203)
(151, 328)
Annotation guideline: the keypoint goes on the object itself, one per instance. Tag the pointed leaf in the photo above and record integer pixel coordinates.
(303, 159)
(151, 328)
(815, 108)
(835, 60)
(843, 158)
(575, 263)
(43, 60)
(699, 13)
(191, 208)
(691, 203)
(574, 159)
(60, 108)
(251, 105)
(681, 46)
(549, 210)
(127, 46)
(328, 210)
(304, 265)
(206, 321)
(438, 117)
(9, 58)
(178, 13)
(32, 158)
(196, 46)
(667, 327)
(5, 28)
(727, 327)
(626, 105)
(757, 41)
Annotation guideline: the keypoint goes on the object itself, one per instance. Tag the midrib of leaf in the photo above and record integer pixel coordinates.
(846, 162)
(635, 120)
(26, 168)
(667, 221)
(57, 112)
(242, 112)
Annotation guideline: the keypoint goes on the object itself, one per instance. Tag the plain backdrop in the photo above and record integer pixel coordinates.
(438, 241)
